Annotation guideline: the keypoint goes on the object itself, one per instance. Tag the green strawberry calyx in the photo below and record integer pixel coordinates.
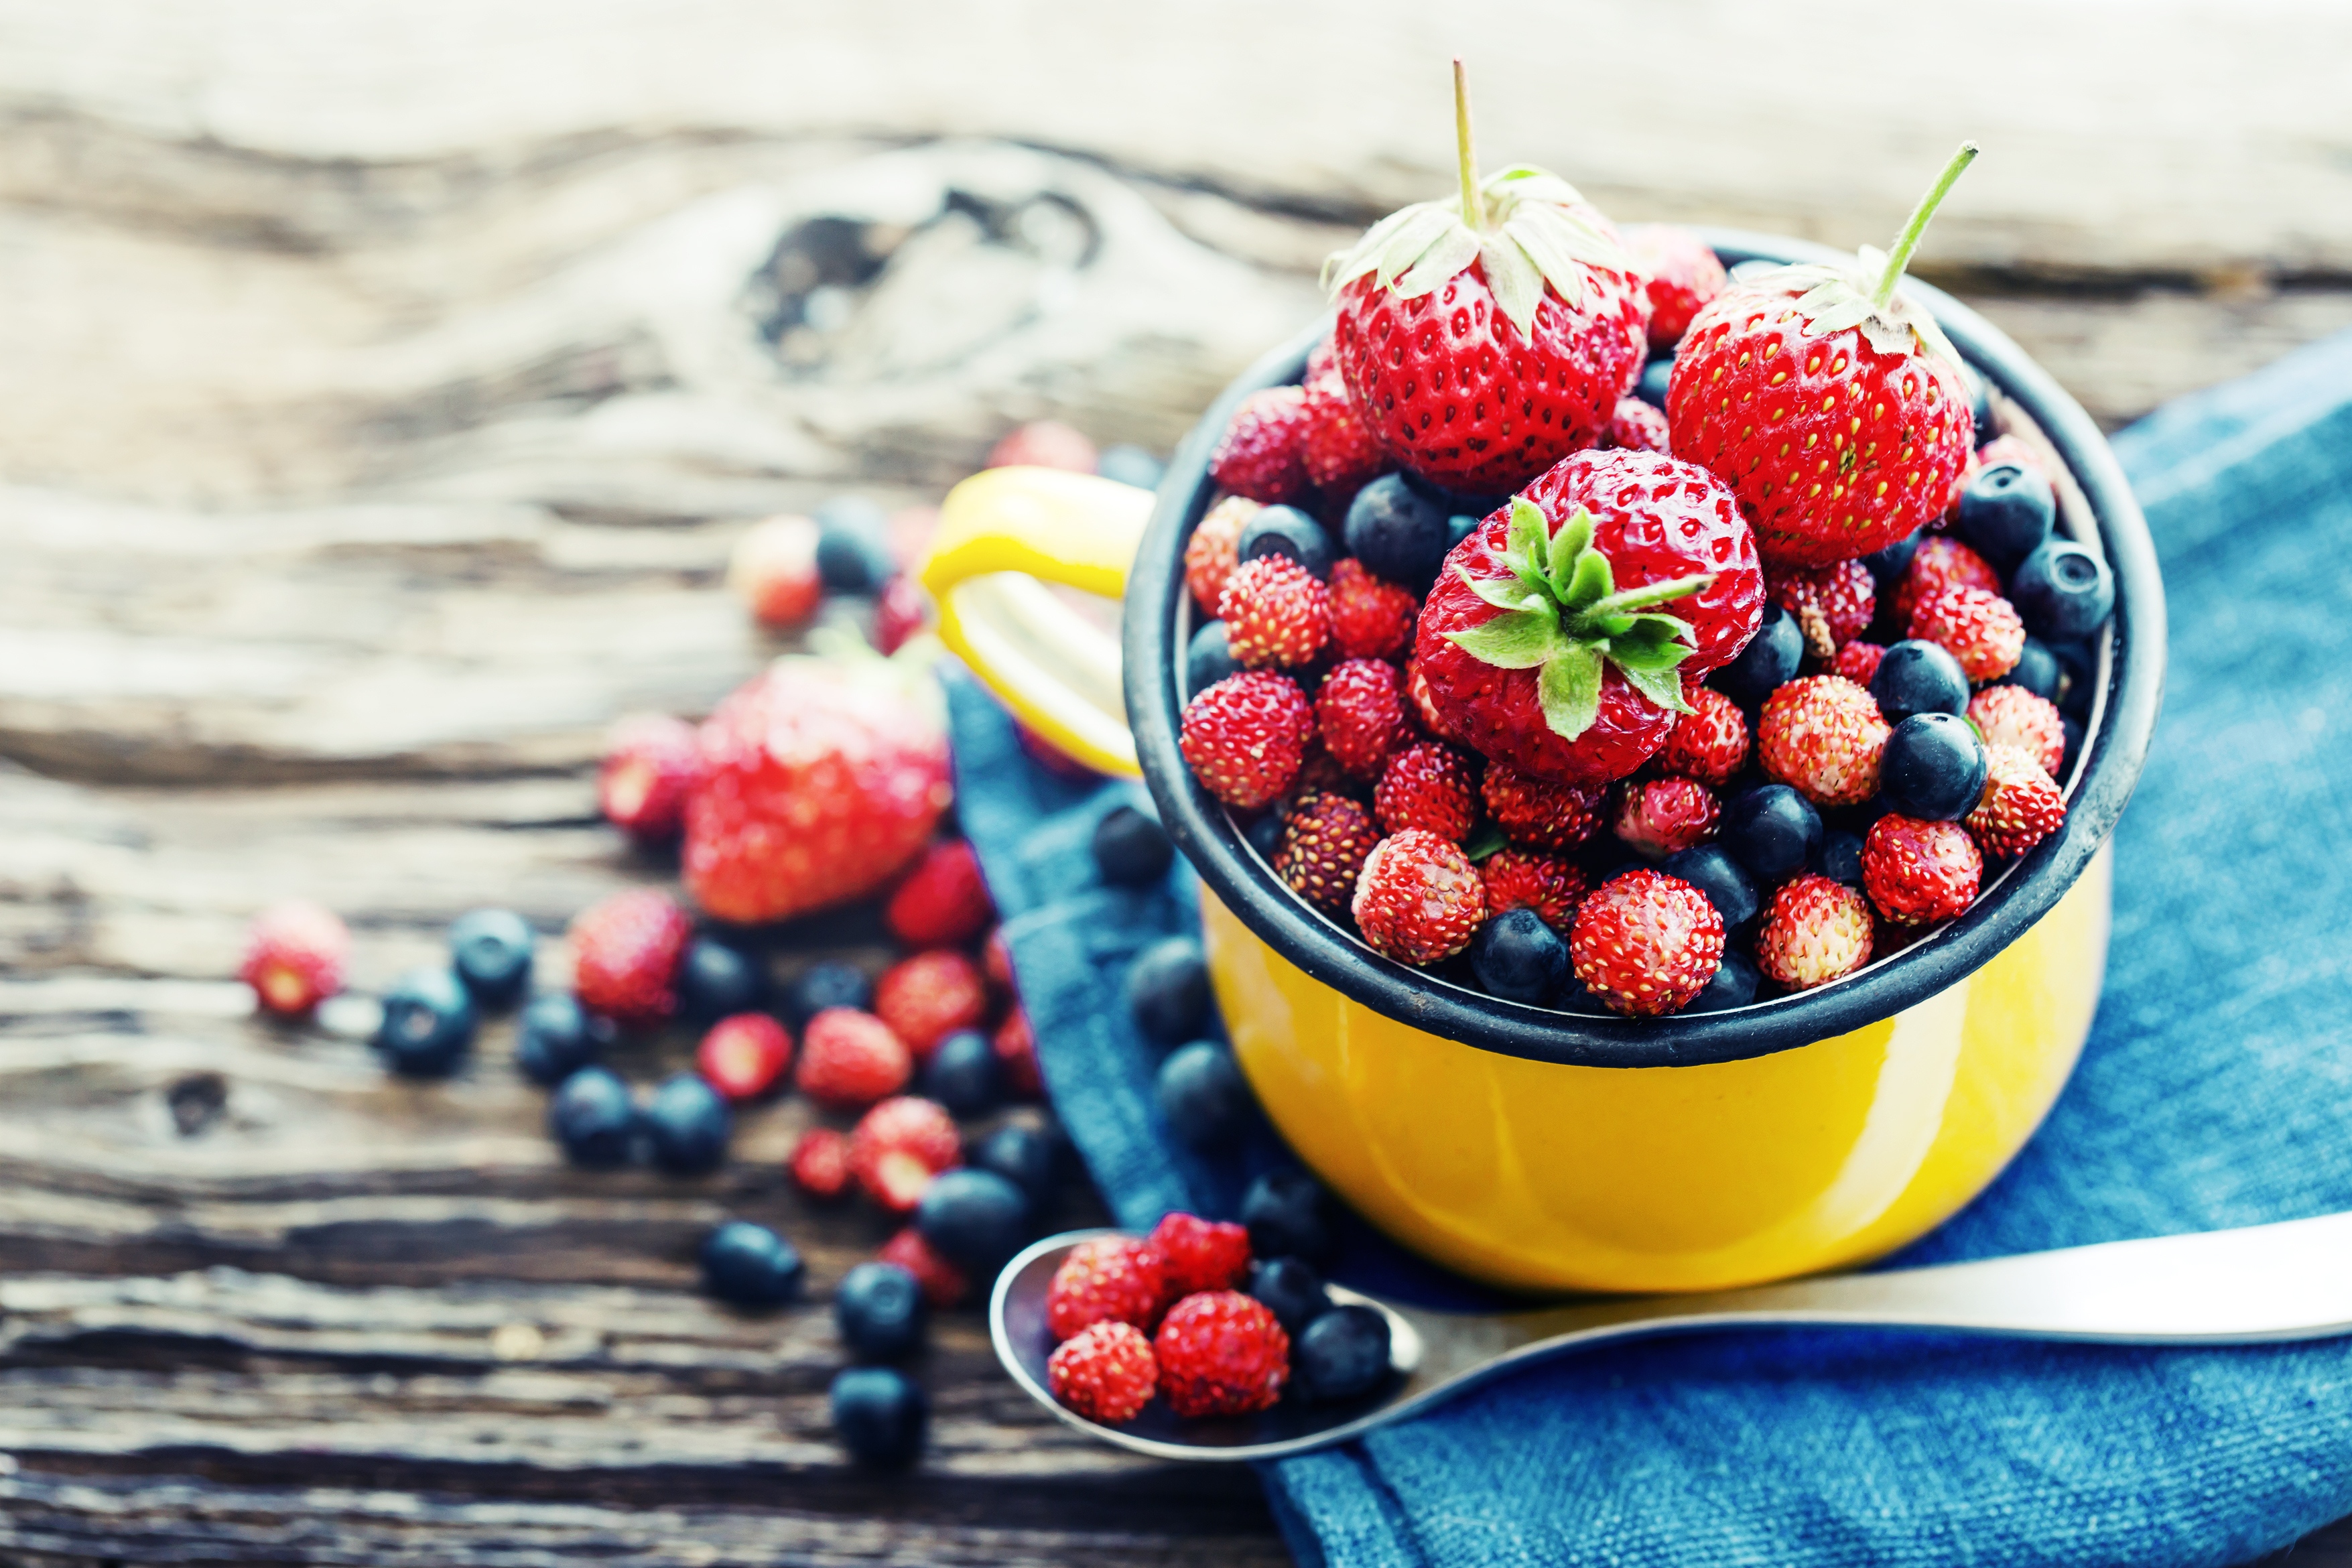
(1529, 227)
(1563, 616)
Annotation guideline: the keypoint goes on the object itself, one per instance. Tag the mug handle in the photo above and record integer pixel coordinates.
(1004, 534)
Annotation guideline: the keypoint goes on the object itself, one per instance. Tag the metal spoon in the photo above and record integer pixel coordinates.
(2291, 1280)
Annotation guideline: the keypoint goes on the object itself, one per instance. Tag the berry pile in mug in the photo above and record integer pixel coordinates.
(1609, 630)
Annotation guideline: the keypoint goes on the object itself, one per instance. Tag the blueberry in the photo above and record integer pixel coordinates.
(1168, 990)
(1769, 661)
(1916, 676)
(1290, 1288)
(823, 985)
(879, 1413)
(1733, 984)
(1288, 1215)
(1342, 1353)
(1887, 565)
(556, 1037)
(974, 1219)
(1710, 868)
(1980, 401)
(1287, 531)
(2077, 674)
(2005, 513)
(1208, 659)
(687, 1124)
(879, 1309)
(1132, 849)
(750, 1264)
(1202, 1096)
(428, 1023)
(964, 1074)
(1130, 465)
(2036, 669)
(1264, 833)
(1656, 376)
(853, 550)
(1397, 532)
(716, 980)
(1771, 830)
(490, 951)
(594, 1117)
(1459, 527)
(1519, 958)
(1933, 768)
(1023, 1155)
(1840, 858)
(2063, 592)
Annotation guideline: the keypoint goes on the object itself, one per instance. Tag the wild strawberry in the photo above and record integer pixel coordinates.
(2012, 716)
(926, 998)
(850, 1059)
(1637, 427)
(941, 1282)
(898, 1147)
(1551, 885)
(1487, 336)
(1043, 444)
(1539, 814)
(996, 960)
(1981, 629)
(901, 611)
(2020, 805)
(1658, 817)
(1815, 930)
(1112, 1279)
(651, 762)
(942, 902)
(1340, 452)
(624, 953)
(1418, 898)
(1361, 715)
(1858, 662)
(820, 781)
(1920, 871)
(1262, 453)
(1325, 841)
(294, 957)
(1708, 743)
(1214, 550)
(1525, 605)
(744, 1055)
(1222, 1353)
(1424, 705)
(1107, 1372)
(1275, 611)
(1645, 944)
(1941, 562)
(1369, 618)
(820, 1163)
(1832, 604)
(1201, 1255)
(1823, 734)
(1322, 366)
(773, 570)
(1016, 1055)
(1244, 737)
(1682, 275)
(1427, 785)
(1320, 773)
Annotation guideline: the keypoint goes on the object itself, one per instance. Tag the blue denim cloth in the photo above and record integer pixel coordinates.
(2216, 1090)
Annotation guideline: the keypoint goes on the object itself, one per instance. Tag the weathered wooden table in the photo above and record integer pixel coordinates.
(381, 387)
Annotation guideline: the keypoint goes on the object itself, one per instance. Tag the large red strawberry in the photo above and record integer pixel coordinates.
(1834, 406)
(1559, 632)
(1488, 335)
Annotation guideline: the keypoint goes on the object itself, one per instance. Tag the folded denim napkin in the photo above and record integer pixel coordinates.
(2216, 1090)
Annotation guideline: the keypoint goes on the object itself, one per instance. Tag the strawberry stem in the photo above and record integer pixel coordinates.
(1909, 240)
(1474, 210)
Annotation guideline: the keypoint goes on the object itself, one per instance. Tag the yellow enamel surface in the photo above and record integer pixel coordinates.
(1566, 1178)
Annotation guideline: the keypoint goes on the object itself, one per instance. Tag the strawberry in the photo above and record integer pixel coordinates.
(1538, 814)
(651, 762)
(1551, 885)
(294, 957)
(1419, 899)
(1682, 275)
(941, 1282)
(1559, 632)
(1043, 444)
(1645, 944)
(1941, 562)
(1424, 705)
(1834, 406)
(1320, 772)
(1814, 930)
(850, 1059)
(2020, 805)
(1222, 1353)
(1201, 1255)
(1275, 611)
(926, 998)
(1112, 1279)
(1708, 743)
(1920, 871)
(942, 902)
(1323, 366)
(1832, 604)
(1369, 618)
(2012, 716)
(901, 612)
(1214, 550)
(1359, 712)
(899, 1146)
(744, 1055)
(996, 960)
(1980, 628)
(1858, 662)
(1427, 785)
(1658, 817)
(1105, 1373)
(1823, 734)
(1487, 336)
(1262, 453)
(1244, 737)
(1340, 452)
(624, 954)
(1325, 841)
(822, 780)
(773, 570)
(820, 1163)
(1016, 1055)
(1637, 427)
